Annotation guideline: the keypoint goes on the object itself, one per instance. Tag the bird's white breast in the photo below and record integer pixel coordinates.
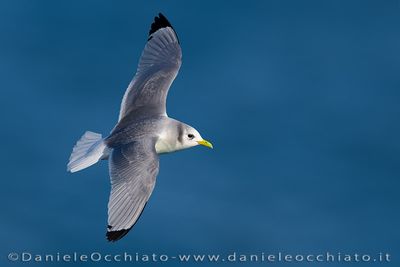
(164, 146)
(168, 138)
(167, 142)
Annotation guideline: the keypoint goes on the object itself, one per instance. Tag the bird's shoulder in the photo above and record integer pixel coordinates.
(135, 128)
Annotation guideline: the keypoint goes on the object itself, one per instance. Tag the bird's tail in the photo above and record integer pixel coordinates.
(87, 151)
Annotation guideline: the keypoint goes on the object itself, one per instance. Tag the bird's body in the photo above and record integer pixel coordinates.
(143, 131)
(166, 131)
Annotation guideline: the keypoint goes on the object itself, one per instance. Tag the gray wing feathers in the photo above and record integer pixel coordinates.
(133, 170)
(157, 69)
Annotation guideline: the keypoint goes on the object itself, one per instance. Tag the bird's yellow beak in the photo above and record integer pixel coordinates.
(205, 143)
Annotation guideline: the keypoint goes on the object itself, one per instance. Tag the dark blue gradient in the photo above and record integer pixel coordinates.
(300, 99)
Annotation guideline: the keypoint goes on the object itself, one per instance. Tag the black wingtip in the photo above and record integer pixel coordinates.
(159, 22)
(113, 236)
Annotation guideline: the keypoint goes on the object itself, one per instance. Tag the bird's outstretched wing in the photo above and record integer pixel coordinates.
(157, 69)
(133, 169)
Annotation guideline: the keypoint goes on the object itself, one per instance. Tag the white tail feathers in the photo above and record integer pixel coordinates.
(87, 151)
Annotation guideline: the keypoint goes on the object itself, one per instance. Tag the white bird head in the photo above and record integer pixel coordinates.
(190, 137)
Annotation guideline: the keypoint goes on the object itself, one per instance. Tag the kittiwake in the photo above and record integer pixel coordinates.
(143, 131)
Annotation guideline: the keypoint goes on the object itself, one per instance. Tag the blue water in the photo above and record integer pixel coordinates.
(300, 99)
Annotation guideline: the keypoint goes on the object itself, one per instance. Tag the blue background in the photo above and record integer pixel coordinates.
(300, 99)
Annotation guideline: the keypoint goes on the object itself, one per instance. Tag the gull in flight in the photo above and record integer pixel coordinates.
(143, 131)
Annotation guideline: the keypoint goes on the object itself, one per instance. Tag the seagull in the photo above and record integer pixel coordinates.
(142, 133)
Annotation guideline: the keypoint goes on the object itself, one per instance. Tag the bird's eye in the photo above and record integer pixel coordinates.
(191, 136)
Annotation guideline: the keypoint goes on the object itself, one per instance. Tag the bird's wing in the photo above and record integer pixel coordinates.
(157, 69)
(133, 169)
